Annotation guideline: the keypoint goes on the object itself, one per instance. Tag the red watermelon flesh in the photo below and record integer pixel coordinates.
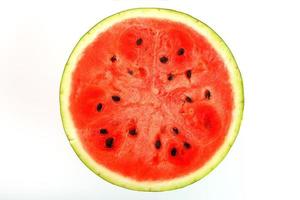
(151, 99)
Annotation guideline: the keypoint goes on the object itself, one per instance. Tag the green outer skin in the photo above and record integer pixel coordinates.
(235, 79)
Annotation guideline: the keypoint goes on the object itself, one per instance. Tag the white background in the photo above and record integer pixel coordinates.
(36, 160)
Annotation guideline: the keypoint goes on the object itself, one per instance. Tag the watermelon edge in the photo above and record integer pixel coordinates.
(235, 78)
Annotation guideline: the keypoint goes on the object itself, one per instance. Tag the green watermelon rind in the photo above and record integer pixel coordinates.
(235, 78)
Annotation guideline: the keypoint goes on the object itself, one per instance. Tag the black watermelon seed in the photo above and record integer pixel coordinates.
(103, 131)
(99, 107)
(186, 145)
(109, 142)
(139, 41)
(164, 59)
(116, 98)
(173, 151)
(175, 130)
(180, 51)
(207, 94)
(132, 132)
(113, 58)
(188, 73)
(130, 71)
(188, 99)
(157, 144)
(170, 77)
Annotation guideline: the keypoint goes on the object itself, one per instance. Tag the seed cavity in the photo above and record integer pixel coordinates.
(188, 99)
(188, 74)
(207, 94)
(163, 59)
(187, 145)
(132, 132)
(180, 52)
(139, 41)
(99, 107)
(103, 131)
(173, 151)
(175, 130)
(157, 144)
(109, 142)
(113, 58)
(116, 98)
(170, 77)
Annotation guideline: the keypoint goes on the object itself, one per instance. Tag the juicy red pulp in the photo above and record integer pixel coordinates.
(151, 99)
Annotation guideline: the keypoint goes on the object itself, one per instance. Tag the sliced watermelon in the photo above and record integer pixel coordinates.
(151, 99)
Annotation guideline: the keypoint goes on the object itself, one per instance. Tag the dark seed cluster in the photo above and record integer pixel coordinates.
(132, 132)
(188, 74)
(207, 94)
(116, 98)
(109, 142)
(173, 151)
(186, 145)
(139, 41)
(103, 131)
(113, 58)
(130, 71)
(157, 144)
(175, 130)
(188, 99)
(163, 59)
(180, 52)
(99, 107)
(170, 77)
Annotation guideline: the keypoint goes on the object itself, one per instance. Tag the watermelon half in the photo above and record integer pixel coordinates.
(151, 99)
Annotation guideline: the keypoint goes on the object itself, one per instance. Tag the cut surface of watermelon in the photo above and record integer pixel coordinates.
(151, 99)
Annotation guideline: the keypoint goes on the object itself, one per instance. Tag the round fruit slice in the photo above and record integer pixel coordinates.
(151, 99)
